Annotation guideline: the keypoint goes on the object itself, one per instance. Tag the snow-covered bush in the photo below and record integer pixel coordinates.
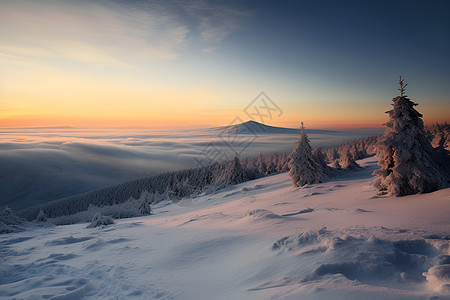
(127, 209)
(100, 220)
(124, 210)
(303, 168)
(408, 162)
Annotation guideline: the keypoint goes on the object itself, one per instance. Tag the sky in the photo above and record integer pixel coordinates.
(330, 64)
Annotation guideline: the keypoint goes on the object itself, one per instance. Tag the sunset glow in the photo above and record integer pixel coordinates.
(159, 64)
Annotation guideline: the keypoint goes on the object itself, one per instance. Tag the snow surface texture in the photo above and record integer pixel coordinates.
(261, 239)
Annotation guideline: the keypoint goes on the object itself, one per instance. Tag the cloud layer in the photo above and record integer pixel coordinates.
(43, 164)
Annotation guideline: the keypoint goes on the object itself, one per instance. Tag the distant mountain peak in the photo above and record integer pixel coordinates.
(254, 127)
(252, 122)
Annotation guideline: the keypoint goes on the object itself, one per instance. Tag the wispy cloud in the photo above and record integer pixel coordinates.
(216, 21)
(104, 32)
(110, 32)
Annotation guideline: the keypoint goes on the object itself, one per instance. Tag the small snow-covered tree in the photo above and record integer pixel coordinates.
(347, 162)
(407, 159)
(9, 221)
(303, 168)
(271, 163)
(320, 158)
(41, 217)
(261, 165)
(144, 207)
(144, 203)
(333, 155)
(147, 196)
(234, 173)
(282, 165)
(441, 142)
(443, 155)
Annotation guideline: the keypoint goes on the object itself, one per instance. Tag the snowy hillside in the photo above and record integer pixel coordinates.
(258, 240)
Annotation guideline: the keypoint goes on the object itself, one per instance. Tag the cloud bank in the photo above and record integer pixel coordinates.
(42, 164)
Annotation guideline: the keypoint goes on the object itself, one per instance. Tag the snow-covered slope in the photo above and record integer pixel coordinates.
(257, 240)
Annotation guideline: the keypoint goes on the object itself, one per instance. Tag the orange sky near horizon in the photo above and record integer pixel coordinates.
(132, 64)
(37, 98)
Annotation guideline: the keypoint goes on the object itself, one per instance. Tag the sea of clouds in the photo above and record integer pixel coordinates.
(43, 164)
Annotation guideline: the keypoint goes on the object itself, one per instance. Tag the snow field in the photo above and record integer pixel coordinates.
(257, 240)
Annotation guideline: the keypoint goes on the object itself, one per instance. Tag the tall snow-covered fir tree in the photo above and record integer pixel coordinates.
(303, 168)
(408, 161)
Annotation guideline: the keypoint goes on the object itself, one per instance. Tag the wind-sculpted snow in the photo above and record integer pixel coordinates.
(67, 241)
(364, 258)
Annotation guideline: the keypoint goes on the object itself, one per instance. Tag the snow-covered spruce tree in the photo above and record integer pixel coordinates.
(41, 217)
(282, 165)
(261, 165)
(144, 203)
(320, 158)
(9, 221)
(347, 162)
(303, 168)
(333, 155)
(234, 173)
(271, 164)
(443, 155)
(408, 161)
(144, 207)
